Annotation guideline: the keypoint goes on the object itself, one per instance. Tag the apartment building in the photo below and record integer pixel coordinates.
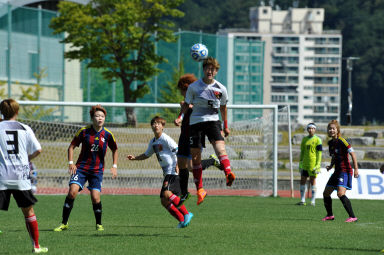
(302, 62)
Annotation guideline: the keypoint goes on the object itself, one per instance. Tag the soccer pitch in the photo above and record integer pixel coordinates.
(222, 225)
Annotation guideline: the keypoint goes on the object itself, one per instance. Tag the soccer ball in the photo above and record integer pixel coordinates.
(199, 52)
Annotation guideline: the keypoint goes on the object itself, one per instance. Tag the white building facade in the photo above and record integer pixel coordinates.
(302, 62)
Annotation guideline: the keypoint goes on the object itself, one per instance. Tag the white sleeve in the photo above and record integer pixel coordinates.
(224, 96)
(149, 150)
(172, 145)
(33, 143)
(189, 95)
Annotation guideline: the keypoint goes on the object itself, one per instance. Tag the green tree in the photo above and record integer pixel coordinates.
(32, 93)
(119, 37)
(171, 94)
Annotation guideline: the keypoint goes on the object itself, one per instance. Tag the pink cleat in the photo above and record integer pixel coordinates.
(328, 218)
(351, 219)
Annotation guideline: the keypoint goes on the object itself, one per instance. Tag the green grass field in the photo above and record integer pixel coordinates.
(222, 225)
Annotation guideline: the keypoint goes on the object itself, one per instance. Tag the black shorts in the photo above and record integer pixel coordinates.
(183, 149)
(171, 183)
(198, 131)
(24, 198)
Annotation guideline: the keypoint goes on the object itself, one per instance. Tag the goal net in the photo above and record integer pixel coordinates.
(251, 147)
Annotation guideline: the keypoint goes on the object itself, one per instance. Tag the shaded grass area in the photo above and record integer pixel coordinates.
(222, 225)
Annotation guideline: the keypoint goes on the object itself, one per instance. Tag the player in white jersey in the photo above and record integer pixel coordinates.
(208, 97)
(18, 145)
(165, 149)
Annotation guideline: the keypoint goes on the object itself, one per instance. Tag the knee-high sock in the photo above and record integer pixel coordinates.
(198, 176)
(314, 190)
(98, 211)
(184, 176)
(302, 192)
(67, 208)
(176, 201)
(328, 205)
(225, 163)
(347, 205)
(175, 212)
(33, 230)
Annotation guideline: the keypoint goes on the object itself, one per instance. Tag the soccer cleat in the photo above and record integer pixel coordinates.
(181, 224)
(301, 203)
(99, 227)
(216, 163)
(62, 227)
(184, 198)
(351, 219)
(230, 178)
(187, 219)
(328, 218)
(313, 204)
(40, 250)
(201, 194)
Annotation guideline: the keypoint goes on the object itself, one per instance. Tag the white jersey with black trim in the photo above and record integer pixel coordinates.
(206, 100)
(17, 141)
(165, 148)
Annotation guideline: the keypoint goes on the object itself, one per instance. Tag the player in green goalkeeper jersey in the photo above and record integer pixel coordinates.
(310, 159)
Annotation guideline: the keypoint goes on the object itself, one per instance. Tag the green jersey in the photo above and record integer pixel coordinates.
(310, 154)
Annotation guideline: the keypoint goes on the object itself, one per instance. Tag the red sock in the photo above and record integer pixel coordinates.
(224, 161)
(183, 210)
(175, 212)
(176, 200)
(33, 230)
(198, 176)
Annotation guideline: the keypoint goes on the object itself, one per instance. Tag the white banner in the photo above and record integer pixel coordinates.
(369, 185)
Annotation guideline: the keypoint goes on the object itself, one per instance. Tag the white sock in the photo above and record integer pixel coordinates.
(314, 189)
(302, 192)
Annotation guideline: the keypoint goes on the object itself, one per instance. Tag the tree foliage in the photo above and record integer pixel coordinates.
(118, 36)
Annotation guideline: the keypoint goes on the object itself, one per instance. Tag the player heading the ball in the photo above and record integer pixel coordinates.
(208, 97)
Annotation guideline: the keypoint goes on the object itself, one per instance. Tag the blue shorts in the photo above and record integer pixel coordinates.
(341, 179)
(94, 180)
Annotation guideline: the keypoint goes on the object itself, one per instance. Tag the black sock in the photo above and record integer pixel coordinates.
(347, 205)
(184, 176)
(67, 208)
(328, 205)
(97, 210)
(205, 163)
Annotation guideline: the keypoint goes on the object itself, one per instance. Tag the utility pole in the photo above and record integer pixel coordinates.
(349, 61)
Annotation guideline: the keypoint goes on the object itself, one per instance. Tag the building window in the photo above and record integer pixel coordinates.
(265, 11)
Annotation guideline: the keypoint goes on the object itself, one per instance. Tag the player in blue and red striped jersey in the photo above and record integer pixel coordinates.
(90, 165)
(341, 179)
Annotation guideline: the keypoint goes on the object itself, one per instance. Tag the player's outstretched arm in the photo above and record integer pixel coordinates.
(140, 157)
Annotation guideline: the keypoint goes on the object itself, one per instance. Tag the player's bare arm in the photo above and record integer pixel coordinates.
(140, 157)
(34, 155)
(355, 167)
(71, 166)
(223, 111)
(331, 165)
(183, 110)
(114, 166)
